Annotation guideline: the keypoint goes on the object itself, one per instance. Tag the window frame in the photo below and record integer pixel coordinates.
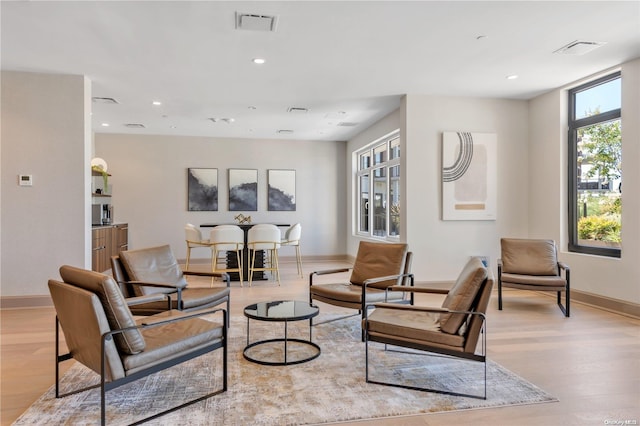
(387, 165)
(574, 125)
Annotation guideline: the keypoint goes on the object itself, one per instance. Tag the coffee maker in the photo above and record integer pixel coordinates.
(101, 214)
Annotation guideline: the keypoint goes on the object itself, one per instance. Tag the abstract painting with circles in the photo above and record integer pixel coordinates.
(469, 177)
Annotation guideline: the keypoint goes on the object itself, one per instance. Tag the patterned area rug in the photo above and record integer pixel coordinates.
(330, 388)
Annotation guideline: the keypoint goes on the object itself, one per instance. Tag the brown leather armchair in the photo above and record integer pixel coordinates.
(531, 264)
(101, 333)
(149, 272)
(377, 266)
(454, 329)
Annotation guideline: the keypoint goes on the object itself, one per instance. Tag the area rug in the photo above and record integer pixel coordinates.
(330, 388)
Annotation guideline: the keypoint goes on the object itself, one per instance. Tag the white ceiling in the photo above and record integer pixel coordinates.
(347, 62)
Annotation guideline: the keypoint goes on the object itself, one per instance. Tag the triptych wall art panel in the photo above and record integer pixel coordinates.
(469, 180)
(202, 189)
(281, 190)
(243, 190)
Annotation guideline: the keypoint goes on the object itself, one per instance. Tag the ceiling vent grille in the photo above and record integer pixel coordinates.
(255, 22)
(347, 124)
(135, 126)
(99, 100)
(298, 110)
(579, 47)
(285, 131)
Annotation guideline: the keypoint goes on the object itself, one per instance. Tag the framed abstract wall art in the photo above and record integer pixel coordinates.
(469, 179)
(243, 190)
(202, 190)
(281, 190)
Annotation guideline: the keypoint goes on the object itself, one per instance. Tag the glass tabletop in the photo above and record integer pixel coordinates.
(281, 310)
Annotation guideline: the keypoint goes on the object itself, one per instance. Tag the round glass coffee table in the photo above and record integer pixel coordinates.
(281, 311)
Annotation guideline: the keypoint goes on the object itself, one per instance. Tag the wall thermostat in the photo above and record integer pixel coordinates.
(25, 180)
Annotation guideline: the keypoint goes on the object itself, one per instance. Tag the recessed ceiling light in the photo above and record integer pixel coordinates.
(228, 120)
(105, 124)
(157, 103)
(259, 61)
(512, 77)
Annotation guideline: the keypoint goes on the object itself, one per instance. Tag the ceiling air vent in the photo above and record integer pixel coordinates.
(297, 110)
(347, 124)
(135, 125)
(99, 100)
(255, 22)
(285, 131)
(579, 47)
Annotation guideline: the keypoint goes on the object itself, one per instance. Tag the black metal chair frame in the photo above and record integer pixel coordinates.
(362, 310)
(561, 267)
(364, 289)
(116, 262)
(109, 385)
(426, 349)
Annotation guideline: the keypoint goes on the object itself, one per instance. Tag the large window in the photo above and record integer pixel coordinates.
(378, 186)
(595, 167)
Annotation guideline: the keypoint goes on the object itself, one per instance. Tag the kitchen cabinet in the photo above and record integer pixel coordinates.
(107, 241)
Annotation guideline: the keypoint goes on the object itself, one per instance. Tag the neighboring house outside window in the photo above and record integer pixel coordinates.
(378, 188)
(595, 167)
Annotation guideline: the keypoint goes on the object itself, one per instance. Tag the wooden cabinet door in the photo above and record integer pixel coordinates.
(99, 252)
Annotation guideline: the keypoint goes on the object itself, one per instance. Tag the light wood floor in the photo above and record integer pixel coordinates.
(590, 362)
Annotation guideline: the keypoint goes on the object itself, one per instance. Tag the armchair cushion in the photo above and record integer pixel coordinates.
(115, 307)
(153, 265)
(529, 257)
(533, 280)
(172, 340)
(412, 326)
(462, 295)
(378, 260)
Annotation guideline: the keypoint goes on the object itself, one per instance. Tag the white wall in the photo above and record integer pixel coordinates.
(442, 247)
(149, 178)
(604, 276)
(45, 134)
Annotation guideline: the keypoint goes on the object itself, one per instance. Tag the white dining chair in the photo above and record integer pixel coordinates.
(267, 239)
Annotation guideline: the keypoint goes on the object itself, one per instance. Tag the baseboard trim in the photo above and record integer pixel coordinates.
(21, 302)
(616, 306)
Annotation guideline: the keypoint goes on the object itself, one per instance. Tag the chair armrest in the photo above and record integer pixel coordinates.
(418, 289)
(327, 272)
(563, 265)
(139, 300)
(387, 278)
(414, 308)
(222, 275)
(167, 317)
(175, 287)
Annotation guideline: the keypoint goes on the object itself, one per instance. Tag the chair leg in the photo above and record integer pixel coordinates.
(188, 257)
(274, 264)
(239, 257)
(252, 262)
(499, 294)
(299, 261)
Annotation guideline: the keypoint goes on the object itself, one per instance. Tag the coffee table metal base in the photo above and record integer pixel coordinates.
(286, 361)
(283, 311)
